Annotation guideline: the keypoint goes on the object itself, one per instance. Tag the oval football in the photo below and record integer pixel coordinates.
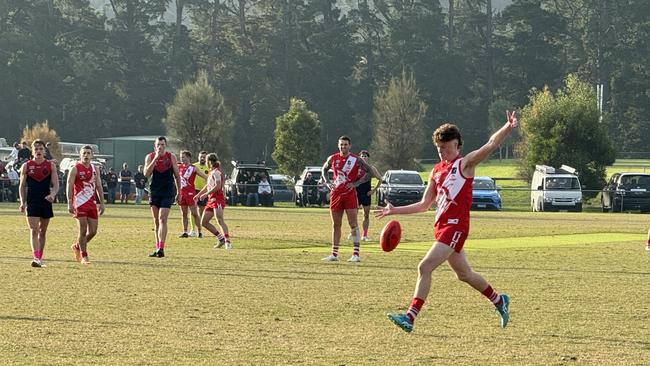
(390, 236)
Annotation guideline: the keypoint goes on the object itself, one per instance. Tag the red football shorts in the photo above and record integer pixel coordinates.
(452, 235)
(340, 202)
(88, 212)
(214, 204)
(187, 199)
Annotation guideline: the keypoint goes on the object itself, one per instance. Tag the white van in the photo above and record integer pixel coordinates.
(555, 189)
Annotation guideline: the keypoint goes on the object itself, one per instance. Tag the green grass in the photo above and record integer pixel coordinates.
(578, 283)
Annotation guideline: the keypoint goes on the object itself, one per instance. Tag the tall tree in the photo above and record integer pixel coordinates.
(399, 114)
(297, 136)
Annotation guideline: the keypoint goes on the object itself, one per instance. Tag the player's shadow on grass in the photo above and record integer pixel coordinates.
(56, 320)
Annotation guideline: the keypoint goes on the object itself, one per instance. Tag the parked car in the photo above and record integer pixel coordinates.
(626, 191)
(485, 194)
(400, 187)
(314, 194)
(282, 188)
(238, 185)
(555, 189)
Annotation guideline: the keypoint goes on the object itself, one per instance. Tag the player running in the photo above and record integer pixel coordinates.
(39, 182)
(84, 185)
(347, 176)
(450, 186)
(213, 191)
(162, 167)
(188, 173)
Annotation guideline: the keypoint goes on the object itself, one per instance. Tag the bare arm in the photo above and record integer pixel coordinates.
(149, 163)
(324, 170)
(472, 159)
(425, 203)
(177, 176)
(200, 173)
(23, 187)
(72, 175)
(366, 177)
(217, 177)
(100, 191)
(54, 180)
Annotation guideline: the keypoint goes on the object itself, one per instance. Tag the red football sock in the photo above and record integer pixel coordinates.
(161, 245)
(492, 295)
(84, 253)
(365, 232)
(414, 309)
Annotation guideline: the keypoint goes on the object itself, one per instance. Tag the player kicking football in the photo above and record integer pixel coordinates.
(450, 186)
(213, 191)
(84, 185)
(188, 173)
(39, 183)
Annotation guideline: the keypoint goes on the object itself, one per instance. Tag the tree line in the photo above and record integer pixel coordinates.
(92, 75)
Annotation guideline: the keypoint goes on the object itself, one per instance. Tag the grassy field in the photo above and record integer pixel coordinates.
(578, 283)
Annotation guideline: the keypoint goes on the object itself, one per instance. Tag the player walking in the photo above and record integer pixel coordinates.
(84, 185)
(188, 173)
(450, 186)
(216, 203)
(347, 176)
(162, 167)
(39, 182)
(364, 194)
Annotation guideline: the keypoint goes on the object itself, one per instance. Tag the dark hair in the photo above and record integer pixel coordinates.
(364, 152)
(162, 138)
(203, 152)
(86, 147)
(447, 132)
(345, 138)
(213, 159)
(186, 152)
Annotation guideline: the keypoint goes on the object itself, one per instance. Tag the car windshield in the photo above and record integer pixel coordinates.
(483, 184)
(405, 178)
(635, 181)
(315, 175)
(562, 183)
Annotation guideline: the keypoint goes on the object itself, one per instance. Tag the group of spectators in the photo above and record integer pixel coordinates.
(258, 190)
(315, 191)
(124, 181)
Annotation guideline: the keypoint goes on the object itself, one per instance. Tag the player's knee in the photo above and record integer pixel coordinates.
(162, 221)
(425, 266)
(465, 276)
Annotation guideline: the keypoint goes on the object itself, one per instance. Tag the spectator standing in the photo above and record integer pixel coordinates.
(111, 184)
(125, 183)
(24, 154)
(140, 184)
(265, 191)
(14, 179)
(309, 189)
(48, 154)
(13, 155)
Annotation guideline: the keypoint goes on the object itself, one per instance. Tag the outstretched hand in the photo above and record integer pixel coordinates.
(511, 118)
(385, 211)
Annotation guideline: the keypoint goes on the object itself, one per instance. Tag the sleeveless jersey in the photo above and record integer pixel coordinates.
(199, 182)
(188, 176)
(216, 196)
(39, 179)
(162, 178)
(84, 187)
(453, 194)
(346, 170)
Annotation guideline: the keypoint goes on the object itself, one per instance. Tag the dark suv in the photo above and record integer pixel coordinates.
(244, 180)
(400, 187)
(626, 191)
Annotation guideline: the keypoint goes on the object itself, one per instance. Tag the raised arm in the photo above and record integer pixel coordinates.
(149, 163)
(472, 159)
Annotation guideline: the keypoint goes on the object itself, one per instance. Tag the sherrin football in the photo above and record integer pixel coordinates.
(390, 235)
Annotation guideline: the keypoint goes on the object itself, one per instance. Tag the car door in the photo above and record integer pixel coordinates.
(608, 191)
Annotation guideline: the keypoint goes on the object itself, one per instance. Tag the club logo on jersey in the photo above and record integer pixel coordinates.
(452, 221)
(453, 170)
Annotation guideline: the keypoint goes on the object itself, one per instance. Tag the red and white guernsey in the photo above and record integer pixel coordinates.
(453, 194)
(346, 170)
(188, 174)
(215, 197)
(84, 188)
